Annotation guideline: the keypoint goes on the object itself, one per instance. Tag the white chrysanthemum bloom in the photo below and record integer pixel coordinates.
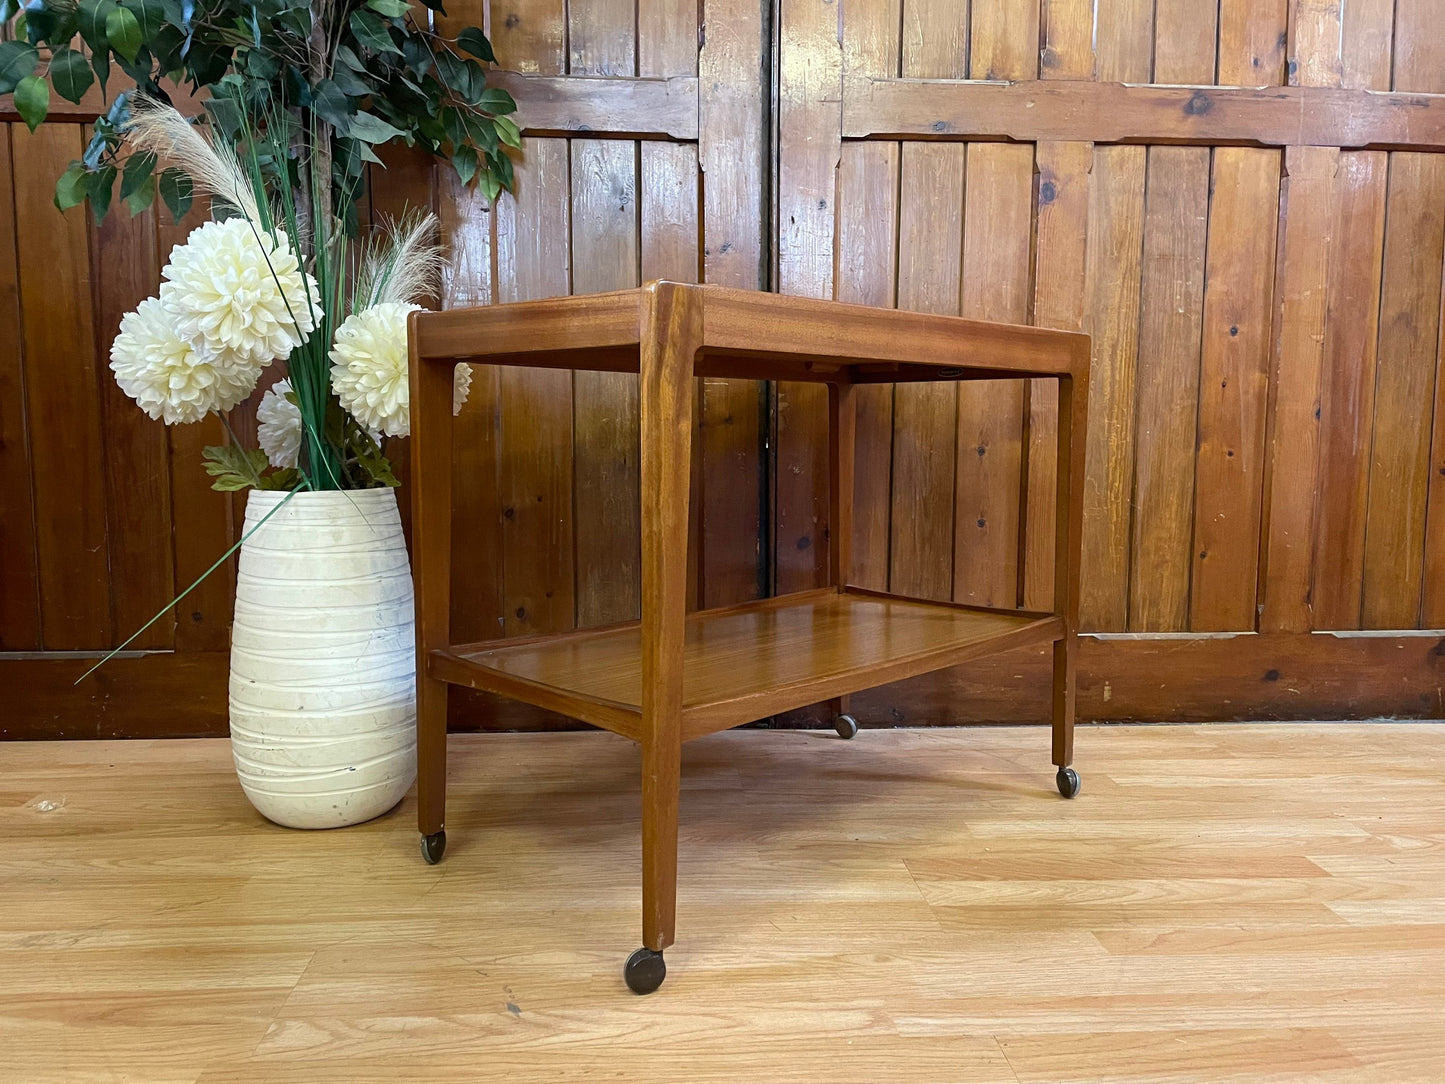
(279, 433)
(167, 375)
(234, 289)
(369, 369)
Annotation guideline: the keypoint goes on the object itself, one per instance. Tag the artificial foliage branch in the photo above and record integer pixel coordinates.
(337, 77)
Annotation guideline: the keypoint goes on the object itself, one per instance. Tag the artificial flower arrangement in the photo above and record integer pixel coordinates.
(235, 298)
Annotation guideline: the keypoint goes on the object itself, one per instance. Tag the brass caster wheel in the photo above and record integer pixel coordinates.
(433, 847)
(1068, 781)
(644, 971)
(846, 726)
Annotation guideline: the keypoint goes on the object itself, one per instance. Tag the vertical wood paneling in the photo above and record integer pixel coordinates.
(1404, 391)
(1314, 43)
(1124, 40)
(536, 405)
(62, 395)
(988, 485)
(19, 582)
(1060, 288)
(1170, 316)
(930, 254)
(667, 33)
(137, 459)
(1252, 42)
(1185, 34)
(602, 37)
(1347, 388)
(1294, 424)
(810, 128)
(867, 262)
(476, 613)
(998, 227)
(1116, 233)
(732, 153)
(925, 415)
(530, 35)
(605, 422)
(868, 178)
(1365, 43)
(1418, 44)
(1432, 610)
(1233, 388)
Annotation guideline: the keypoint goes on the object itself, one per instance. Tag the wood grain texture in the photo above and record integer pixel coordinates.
(1293, 433)
(1067, 27)
(1060, 300)
(62, 393)
(1124, 40)
(1347, 392)
(1233, 388)
(1404, 392)
(606, 497)
(809, 133)
(867, 245)
(1252, 921)
(1176, 214)
(925, 416)
(1314, 58)
(732, 153)
(1185, 34)
(989, 483)
(533, 261)
(1107, 112)
(1252, 38)
(1116, 238)
(19, 582)
(137, 455)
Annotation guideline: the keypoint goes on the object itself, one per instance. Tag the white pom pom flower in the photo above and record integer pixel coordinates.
(235, 289)
(279, 433)
(167, 374)
(369, 369)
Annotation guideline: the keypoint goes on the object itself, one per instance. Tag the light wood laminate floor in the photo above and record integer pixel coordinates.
(1240, 903)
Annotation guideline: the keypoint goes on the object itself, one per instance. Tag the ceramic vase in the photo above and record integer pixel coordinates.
(323, 658)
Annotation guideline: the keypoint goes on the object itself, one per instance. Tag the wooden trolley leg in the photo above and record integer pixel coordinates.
(842, 428)
(431, 519)
(1068, 541)
(671, 338)
(661, 778)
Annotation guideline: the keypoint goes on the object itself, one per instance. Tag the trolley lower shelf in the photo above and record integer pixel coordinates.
(745, 662)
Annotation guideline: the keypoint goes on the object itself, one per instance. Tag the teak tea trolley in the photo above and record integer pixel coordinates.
(674, 676)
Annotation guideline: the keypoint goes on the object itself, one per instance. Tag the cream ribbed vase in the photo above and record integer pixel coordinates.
(323, 659)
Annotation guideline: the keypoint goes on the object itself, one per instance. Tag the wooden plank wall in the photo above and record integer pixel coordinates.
(1267, 352)
(1267, 431)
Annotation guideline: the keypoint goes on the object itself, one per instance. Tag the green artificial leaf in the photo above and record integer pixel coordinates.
(234, 468)
(141, 198)
(370, 458)
(508, 132)
(283, 478)
(501, 168)
(149, 14)
(17, 60)
(491, 187)
(93, 14)
(123, 32)
(72, 188)
(70, 75)
(333, 106)
(392, 9)
(102, 187)
(369, 128)
(348, 82)
(475, 42)
(372, 32)
(32, 100)
(175, 189)
(138, 170)
(496, 100)
(347, 57)
(464, 161)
